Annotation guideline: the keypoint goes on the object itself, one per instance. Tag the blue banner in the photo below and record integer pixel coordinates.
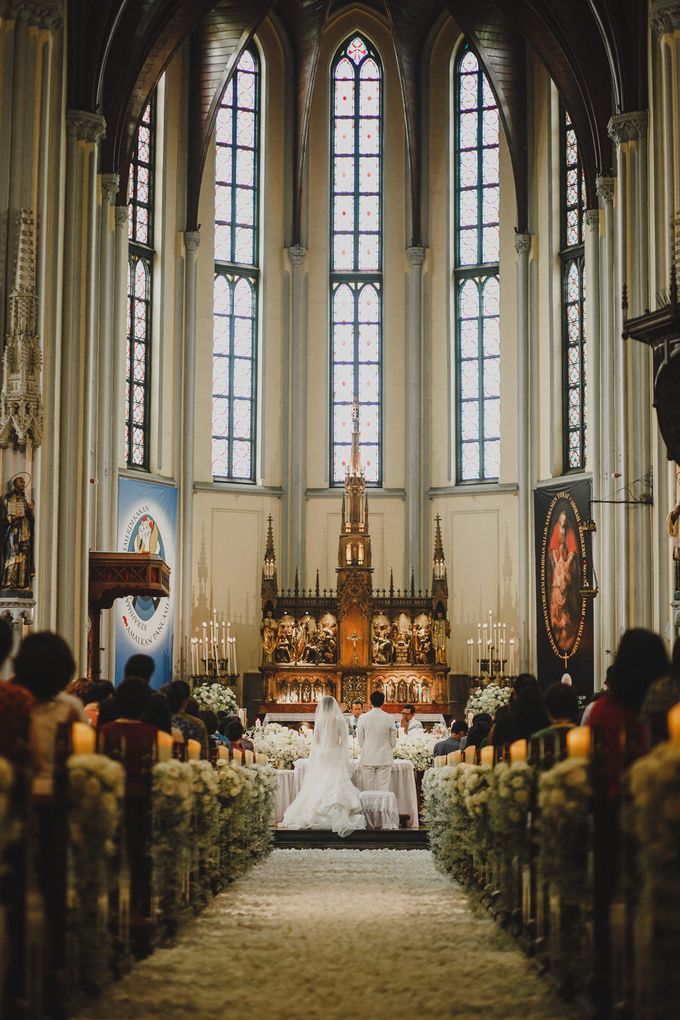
(147, 522)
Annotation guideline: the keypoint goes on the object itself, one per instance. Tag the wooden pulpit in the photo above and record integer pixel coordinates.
(114, 575)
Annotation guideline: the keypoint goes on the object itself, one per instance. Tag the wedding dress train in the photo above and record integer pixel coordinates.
(328, 798)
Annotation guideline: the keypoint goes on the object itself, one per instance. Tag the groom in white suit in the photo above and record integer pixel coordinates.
(376, 735)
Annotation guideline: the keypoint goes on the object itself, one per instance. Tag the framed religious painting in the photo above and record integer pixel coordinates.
(564, 588)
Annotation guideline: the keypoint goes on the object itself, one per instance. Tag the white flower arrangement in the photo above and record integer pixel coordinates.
(246, 796)
(172, 810)
(96, 786)
(512, 789)
(282, 744)
(206, 829)
(487, 699)
(564, 802)
(416, 747)
(216, 698)
(448, 820)
(476, 793)
(654, 817)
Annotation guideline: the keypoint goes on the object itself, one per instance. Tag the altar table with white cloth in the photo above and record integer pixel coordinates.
(402, 783)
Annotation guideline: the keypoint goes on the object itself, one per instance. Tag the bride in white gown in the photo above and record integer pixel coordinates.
(328, 798)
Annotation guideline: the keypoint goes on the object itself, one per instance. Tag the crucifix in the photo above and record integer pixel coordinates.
(354, 638)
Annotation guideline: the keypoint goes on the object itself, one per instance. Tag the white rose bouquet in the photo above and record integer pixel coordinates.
(487, 699)
(172, 799)
(206, 829)
(564, 802)
(447, 819)
(216, 697)
(247, 800)
(282, 744)
(416, 747)
(96, 786)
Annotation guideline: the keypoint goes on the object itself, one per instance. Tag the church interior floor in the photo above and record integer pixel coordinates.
(337, 935)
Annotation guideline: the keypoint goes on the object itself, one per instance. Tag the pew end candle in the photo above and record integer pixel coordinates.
(193, 750)
(83, 739)
(164, 744)
(486, 756)
(578, 742)
(518, 750)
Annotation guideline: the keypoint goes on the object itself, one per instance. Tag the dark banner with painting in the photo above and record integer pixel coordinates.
(564, 584)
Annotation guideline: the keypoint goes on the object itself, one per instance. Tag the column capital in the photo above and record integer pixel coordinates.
(85, 126)
(664, 15)
(628, 127)
(41, 13)
(192, 240)
(605, 187)
(297, 254)
(416, 255)
(121, 215)
(523, 243)
(109, 185)
(592, 218)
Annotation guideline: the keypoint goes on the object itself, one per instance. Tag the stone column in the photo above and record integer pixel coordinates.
(77, 394)
(633, 387)
(525, 601)
(106, 468)
(192, 240)
(594, 401)
(417, 531)
(606, 517)
(118, 358)
(295, 482)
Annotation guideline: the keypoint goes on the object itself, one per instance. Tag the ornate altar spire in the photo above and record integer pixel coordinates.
(269, 588)
(21, 415)
(354, 523)
(440, 587)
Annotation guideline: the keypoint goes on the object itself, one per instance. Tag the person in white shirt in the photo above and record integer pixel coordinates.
(356, 712)
(376, 736)
(408, 722)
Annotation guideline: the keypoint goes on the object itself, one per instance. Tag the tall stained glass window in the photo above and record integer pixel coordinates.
(573, 300)
(477, 214)
(356, 255)
(140, 277)
(235, 295)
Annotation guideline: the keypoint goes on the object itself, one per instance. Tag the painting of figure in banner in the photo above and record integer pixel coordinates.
(564, 610)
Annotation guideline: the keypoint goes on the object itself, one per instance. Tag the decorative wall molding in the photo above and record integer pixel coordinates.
(628, 127)
(664, 15)
(40, 13)
(110, 184)
(297, 254)
(85, 126)
(121, 215)
(21, 412)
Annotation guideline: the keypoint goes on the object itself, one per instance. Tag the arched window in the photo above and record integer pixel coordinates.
(356, 256)
(140, 277)
(235, 296)
(477, 214)
(573, 299)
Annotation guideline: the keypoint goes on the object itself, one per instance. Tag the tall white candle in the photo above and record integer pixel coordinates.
(224, 641)
(233, 648)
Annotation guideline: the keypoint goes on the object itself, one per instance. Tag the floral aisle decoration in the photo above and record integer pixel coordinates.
(448, 820)
(246, 796)
(476, 791)
(172, 810)
(206, 828)
(512, 791)
(416, 747)
(653, 815)
(216, 698)
(282, 744)
(564, 802)
(96, 786)
(487, 699)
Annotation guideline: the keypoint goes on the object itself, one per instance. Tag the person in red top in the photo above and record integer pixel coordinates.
(15, 707)
(130, 740)
(641, 658)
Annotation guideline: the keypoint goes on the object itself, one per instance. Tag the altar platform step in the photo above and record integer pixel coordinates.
(371, 839)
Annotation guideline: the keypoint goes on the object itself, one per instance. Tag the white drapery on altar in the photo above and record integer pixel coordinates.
(402, 783)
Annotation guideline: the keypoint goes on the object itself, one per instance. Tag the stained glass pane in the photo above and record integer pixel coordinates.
(356, 253)
(236, 275)
(574, 425)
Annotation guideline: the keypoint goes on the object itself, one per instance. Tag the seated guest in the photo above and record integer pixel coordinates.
(458, 730)
(527, 713)
(478, 732)
(596, 697)
(15, 707)
(211, 721)
(98, 692)
(640, 659)
(561, 704)
(234, 731)
(352, 720)
(408, 722)
(129, 738)
(177, 698)
(141, 667)
(44, 665)
(662, 695)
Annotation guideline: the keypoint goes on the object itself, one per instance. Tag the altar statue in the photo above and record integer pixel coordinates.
(269, 632)
(382, 644)
(285, 640)
(441, 630)
(16, 521)
(402, 639)
(328, 639)
(423, 651)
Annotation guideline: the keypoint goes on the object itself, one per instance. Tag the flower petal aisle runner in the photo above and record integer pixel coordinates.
(337, 935)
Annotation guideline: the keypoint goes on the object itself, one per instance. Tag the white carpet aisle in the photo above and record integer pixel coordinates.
(336, 935)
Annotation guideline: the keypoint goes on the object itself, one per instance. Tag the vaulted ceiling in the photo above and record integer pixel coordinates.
(594, 50)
